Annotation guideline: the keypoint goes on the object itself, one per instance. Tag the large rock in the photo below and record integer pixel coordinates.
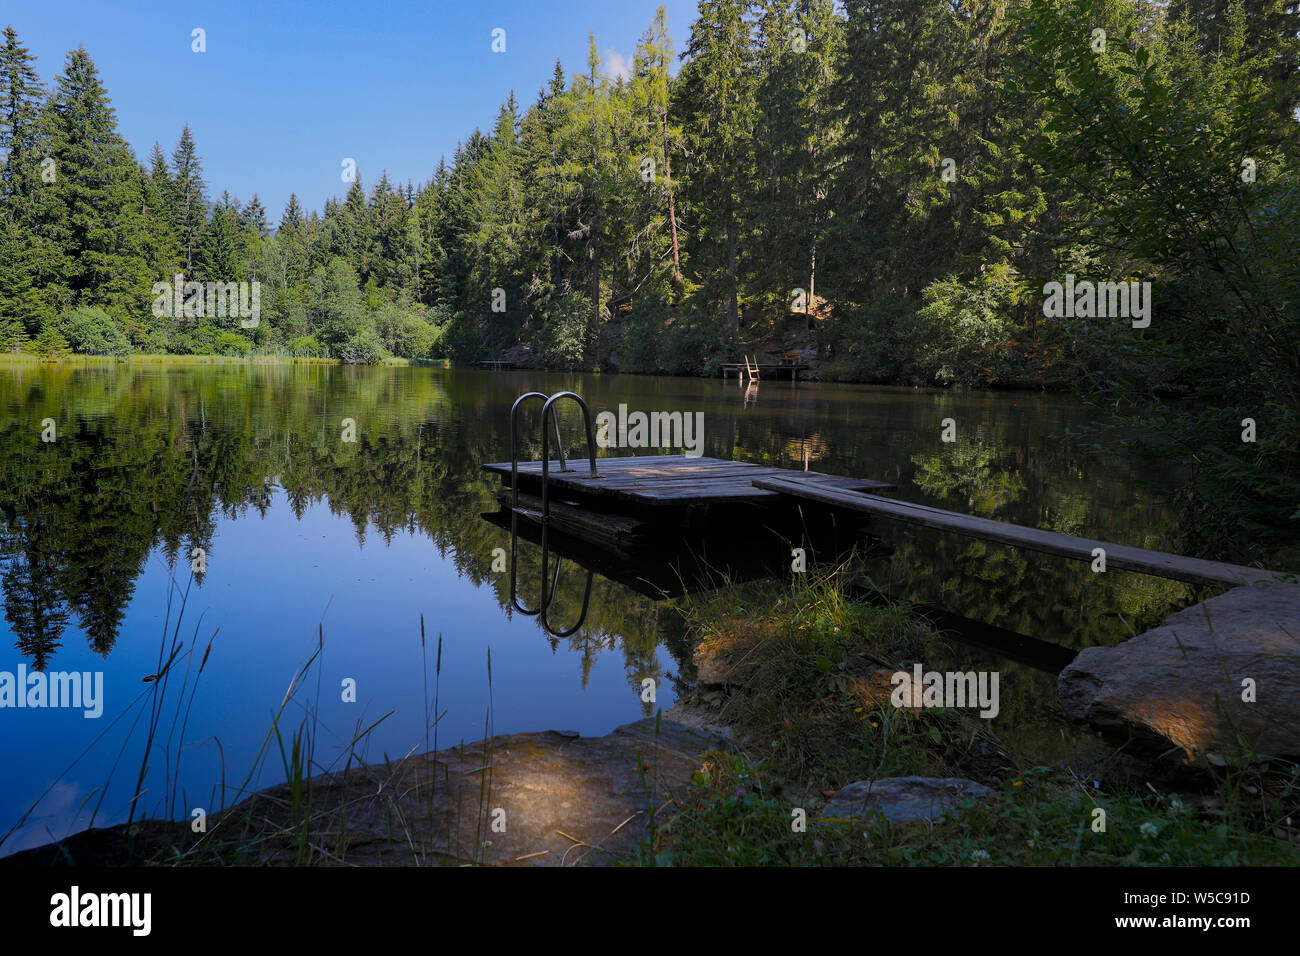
(1177, 690)
(565, 800)
(903, 799)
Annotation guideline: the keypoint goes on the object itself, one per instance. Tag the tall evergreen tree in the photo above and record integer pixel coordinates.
(97, 213)
(20, 100)
(28, 260)
(717, 91)
(189, 206)
(162, 245)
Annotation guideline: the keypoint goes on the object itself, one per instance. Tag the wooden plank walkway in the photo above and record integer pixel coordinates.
(672, 480)
(1118, 556)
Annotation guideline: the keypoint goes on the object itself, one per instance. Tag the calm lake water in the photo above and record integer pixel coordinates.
(305, 534)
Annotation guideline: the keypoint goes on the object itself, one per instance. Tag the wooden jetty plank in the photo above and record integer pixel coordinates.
(654, 466)
(616, 532)
(1123, 557)
(731, 488)
(631, 476)
(636, 464)
(671, 480)
(620, 471)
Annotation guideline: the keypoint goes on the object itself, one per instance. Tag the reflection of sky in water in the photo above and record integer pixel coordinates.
(269, 581)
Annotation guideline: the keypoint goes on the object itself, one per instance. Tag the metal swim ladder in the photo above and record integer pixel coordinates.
(548, 404)
(548, 595)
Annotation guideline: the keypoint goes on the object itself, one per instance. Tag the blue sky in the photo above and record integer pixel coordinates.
(287, 90)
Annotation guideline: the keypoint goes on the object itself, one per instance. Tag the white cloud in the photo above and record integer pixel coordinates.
(617, 65)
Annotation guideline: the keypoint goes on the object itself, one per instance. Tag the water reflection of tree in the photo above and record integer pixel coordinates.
(972, 473)
(33, 607)
(616, 618)
(152, 458)
(149, 459)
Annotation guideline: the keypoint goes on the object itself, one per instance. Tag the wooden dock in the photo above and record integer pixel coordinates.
(773, 370)
(634, 500)
(1118, 556)
(659, 481)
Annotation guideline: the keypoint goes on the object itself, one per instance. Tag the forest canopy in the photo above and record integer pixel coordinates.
(905, 175)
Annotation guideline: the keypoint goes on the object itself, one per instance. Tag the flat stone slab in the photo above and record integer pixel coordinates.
(903, 799)
(1177, 690)
(549, 799)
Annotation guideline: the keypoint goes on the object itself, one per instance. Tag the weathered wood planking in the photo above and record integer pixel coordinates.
(618, 533)
(672, 480)
(1123, 557)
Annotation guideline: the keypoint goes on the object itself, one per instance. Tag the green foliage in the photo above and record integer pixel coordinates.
(50, 343)
(306, 346)
(461, 340)
(693, 344)
(1217, 238)
(966, 332)
(13, 335)
(231, 343)
(91, 331)
(641, 343)
(737, 815)
(566, 333)
(364, 347)
(404, 332)
(875, 344)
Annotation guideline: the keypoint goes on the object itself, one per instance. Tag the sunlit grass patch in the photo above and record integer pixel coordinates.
(808, 679)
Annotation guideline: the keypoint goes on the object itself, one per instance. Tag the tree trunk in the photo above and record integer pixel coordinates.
(731, 271)
(812, 283)
(672, 214)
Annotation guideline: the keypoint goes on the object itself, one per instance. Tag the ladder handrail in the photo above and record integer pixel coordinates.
(548, 599)
(514, 443)
(586, 600)
(514, 574)
(548, 409)
(546, 451)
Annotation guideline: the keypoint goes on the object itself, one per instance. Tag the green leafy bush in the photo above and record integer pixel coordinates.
(364, 348)
(967, 330)
(91, 331)
(566, 334)
(231, 343)
(305, 346)
(460, 339)
(404, 331)
(874, 344)
(694, 344)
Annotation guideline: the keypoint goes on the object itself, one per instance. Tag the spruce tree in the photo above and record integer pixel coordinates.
(25, 256)
(718, 91)
(96, 216)
(162, 248)
(20, 99)
(222, 246)
(188, 203)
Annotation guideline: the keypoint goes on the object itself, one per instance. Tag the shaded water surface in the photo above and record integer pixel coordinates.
(303, 533)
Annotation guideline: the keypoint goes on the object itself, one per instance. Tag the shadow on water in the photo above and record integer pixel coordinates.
(251, 467)
(707, 561)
